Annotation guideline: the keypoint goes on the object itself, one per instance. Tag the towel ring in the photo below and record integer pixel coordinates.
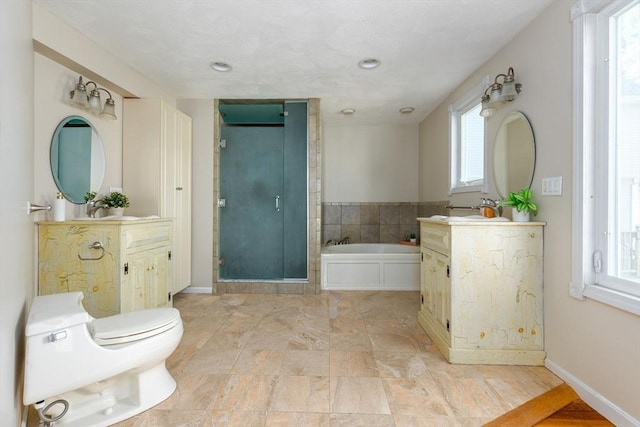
(94, 245)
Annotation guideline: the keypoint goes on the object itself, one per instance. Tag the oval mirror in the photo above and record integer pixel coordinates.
(514, 155)
(77, 158)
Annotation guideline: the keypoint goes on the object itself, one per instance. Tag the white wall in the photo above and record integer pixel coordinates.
(16, 175)
(375, 163)
(52, 85)
(201, 113)
(595, 347)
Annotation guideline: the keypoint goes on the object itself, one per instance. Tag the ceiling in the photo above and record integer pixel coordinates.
(283, 49)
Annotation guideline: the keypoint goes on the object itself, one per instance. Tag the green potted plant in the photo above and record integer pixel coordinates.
(412, 237)
(522, 204)
(116, 202)
(89, 196)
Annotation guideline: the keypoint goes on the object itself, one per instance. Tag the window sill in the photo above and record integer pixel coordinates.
(477, 188)
(623, 301)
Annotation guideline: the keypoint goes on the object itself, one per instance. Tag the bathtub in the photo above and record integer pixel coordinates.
(370, 266)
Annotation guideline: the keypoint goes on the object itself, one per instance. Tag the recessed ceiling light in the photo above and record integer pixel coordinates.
(369, 63)
(407, 110)
(348, 111)
(223, 67)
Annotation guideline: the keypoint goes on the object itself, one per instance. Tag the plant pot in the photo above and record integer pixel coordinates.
(116, 211)
(518, 216)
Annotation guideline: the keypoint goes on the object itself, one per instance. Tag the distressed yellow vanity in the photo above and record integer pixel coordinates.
(481, 290)
(119, 265)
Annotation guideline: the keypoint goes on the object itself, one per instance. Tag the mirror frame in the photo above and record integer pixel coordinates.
(502, 139)
(96, 162)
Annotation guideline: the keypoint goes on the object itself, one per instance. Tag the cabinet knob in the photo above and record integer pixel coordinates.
(532, 235)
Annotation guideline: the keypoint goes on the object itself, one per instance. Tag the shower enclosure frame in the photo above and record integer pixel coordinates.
(312, 283)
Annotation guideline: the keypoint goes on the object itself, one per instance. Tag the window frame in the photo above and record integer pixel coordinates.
(589, 95)
(464, 104)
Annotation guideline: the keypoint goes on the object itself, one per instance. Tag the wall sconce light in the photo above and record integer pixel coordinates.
(92, 101)
(499, 93)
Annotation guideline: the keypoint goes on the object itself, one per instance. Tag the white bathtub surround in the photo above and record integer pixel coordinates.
(369, 266)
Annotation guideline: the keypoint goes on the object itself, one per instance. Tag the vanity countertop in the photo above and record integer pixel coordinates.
(475, 220)
(108, 220)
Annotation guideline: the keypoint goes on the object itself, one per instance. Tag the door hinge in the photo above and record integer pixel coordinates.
(168, 296)
(222, 143)
(448, 272)
(222, 261)
(448, 325)
(421, 256)
(422, 298)
(169, 255)
(222, 203)
(126, 268)
(597, 261)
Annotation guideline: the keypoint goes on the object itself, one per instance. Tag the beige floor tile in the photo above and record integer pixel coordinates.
(194, 391)
(346, 358)
(394, 342)
(258, 362)
(358, 395)
(394, 364)
(297, 419)
(361, 420)
(212, 362)
(246, 393)
(353, 364)
(416, 397)
(347, 325)
(350, 342)
(305, 362)
(224, 340)
(269, 340)
(470, 397)
(301, 394)
(171, 418)
(234, 419)
(408, 421)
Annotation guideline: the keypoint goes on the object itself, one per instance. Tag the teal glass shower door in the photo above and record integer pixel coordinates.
(264, 184)
(251, 221)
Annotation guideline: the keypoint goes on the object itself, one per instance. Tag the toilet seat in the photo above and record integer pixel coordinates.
(133, 326)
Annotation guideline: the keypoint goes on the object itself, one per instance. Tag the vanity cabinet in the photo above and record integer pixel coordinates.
(481, 291)
(120, 266)
(156, 173)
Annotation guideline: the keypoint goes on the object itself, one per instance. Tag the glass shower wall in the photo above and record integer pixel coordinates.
(263, 182)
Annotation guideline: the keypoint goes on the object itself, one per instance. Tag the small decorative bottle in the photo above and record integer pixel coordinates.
(59, 207)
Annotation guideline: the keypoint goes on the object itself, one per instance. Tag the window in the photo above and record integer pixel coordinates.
(467, 139)
(606, 233)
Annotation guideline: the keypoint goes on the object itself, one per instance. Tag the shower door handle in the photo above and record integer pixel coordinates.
(277, 203)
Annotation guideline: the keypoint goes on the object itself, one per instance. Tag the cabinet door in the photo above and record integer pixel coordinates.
(442, 292)
(156, 278)
(182, 226)
(427, 284)
(132, 291)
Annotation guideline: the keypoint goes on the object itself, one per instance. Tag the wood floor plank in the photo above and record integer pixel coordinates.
(536, 410)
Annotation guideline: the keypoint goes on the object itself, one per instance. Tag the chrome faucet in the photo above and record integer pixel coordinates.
(490, 204)
(93, 206)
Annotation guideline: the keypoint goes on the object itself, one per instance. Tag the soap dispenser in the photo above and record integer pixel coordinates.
(59, 208)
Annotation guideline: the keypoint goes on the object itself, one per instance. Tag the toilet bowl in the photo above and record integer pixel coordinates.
(107, 369)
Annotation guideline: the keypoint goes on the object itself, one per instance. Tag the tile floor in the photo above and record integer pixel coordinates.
(334, 359)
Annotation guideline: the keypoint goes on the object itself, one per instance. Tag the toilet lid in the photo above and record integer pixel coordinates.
(133, 326)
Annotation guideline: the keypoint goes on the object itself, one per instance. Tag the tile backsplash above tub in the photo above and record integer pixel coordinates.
(375, 222)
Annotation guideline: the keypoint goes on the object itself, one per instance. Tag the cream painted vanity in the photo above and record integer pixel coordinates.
(481, 290)
(120, 265)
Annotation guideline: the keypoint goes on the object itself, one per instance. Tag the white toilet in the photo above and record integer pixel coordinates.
(106, 369)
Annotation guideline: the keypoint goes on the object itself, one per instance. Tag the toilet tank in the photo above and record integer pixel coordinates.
(54, 312)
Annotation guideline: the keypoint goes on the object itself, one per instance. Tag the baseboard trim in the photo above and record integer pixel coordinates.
(196, 290)
(25, 414)
(608, 409)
